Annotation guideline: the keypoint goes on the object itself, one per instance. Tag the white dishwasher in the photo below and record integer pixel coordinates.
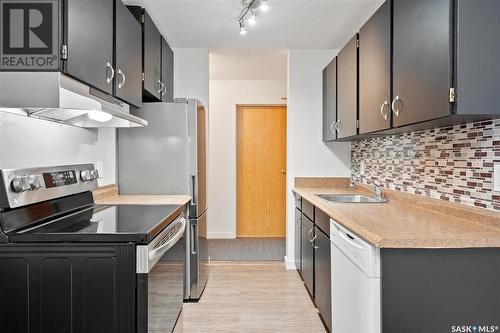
(355, 283)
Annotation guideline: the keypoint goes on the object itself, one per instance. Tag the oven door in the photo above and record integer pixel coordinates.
(160, 279)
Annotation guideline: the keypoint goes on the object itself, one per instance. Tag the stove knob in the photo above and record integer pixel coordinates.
(34, 183)
(20, 184)
(94, 174)
(85, 175)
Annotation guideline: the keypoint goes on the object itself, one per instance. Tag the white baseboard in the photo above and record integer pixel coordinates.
(220, 235)
(289, 264)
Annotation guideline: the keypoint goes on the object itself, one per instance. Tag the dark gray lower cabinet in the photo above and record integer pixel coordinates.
(322, 276)
(67, 288)
(307, 254)
(434, 290)
(298, 238)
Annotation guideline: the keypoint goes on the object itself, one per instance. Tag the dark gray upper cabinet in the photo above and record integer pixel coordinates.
(322, 276)
(330, 101)
(478, 53)
(375, 72)
(128, 55)
(347, 88)
(421, 60)
(152, 60)
(307, 254)
(89, 39)
(167, 72)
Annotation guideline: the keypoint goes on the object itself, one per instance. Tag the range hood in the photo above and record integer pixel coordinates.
(56, 97)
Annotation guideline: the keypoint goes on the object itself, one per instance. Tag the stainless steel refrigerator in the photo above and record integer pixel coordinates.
(169, 157)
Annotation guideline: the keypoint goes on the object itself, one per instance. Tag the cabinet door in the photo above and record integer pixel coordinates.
(128, 53)
(298, 239)
(478, 72)
(375, 72)
(421, 60)
(307, 254)
(347, 98)
(67, 287)
(322, 280)
(152, 60)
(90, 46)
(167, 71)
(330, 101)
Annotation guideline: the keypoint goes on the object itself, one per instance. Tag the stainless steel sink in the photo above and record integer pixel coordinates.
(350, 198)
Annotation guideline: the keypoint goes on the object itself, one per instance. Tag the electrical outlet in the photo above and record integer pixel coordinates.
(496, 178)
(99, 165)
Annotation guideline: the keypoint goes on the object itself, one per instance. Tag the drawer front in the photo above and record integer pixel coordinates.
(308, 209)
(322, 220)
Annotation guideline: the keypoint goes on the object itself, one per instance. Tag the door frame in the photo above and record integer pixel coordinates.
(263, 105)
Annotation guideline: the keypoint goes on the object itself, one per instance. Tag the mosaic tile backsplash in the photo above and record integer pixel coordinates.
(451, 163)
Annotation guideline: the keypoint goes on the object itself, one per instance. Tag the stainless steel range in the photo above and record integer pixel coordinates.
(68, 264)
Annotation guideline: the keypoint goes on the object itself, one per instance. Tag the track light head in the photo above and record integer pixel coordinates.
(243, 29)
(253, 18)
(264, 5)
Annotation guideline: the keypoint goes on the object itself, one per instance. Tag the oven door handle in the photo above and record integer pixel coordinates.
(160, 251)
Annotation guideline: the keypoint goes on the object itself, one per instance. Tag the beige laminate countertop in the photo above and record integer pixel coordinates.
(398, 224)
(145, 200)
(109, 196)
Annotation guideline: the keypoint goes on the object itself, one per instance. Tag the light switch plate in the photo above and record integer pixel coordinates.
(496, 178)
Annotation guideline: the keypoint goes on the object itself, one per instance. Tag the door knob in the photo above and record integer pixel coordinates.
(283, 171)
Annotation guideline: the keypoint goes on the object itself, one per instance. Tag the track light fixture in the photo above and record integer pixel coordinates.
(250, 8)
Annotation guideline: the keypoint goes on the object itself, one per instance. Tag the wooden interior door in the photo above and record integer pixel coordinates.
(261, 175)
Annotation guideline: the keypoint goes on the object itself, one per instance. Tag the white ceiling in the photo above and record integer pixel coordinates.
(260, 54)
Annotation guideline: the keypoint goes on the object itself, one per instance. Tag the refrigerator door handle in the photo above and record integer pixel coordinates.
(194, 237)
(193, 189)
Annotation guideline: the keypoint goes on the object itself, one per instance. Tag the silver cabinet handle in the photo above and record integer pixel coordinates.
(393, 106)
(337, 126)
(332, 125)
(385, 104)
(313, 239)
(122, 82)
(161, 86)
(309, 233)
(109, 78)
(164, 89)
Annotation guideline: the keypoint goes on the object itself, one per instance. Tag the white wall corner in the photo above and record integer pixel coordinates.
(289, 264)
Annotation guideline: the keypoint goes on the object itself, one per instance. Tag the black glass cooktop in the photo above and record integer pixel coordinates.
(104, 223)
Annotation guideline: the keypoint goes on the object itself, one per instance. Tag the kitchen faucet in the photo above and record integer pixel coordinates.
(378, 191)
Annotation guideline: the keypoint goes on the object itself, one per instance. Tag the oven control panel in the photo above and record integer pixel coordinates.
(21, 187)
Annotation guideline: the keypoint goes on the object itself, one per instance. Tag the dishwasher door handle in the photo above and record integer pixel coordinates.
(351, 240)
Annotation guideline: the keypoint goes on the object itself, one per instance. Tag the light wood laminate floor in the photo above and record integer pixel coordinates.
(251, 297)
